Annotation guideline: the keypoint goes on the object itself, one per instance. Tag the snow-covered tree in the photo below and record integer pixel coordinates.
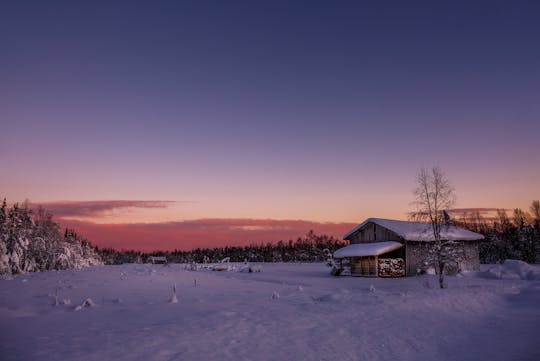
(517, 237)
(19, 229)
(5, 267)
(30, 241)
(527, 238)
(46, 238)
(78, 252)
(433, 196)
(535, 212)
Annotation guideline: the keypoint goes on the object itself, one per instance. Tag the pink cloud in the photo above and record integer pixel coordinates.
(201, 233)
(487, 214)
(473, 210)
(77, 209)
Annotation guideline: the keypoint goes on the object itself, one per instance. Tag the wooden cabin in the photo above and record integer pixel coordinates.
(390, 248)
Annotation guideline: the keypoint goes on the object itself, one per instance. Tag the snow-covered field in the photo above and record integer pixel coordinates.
(285, 312)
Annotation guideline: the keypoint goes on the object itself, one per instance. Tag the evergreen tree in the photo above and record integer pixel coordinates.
(30, 241)
(5, 267)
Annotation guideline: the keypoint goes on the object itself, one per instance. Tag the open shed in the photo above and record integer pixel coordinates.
(372, 259)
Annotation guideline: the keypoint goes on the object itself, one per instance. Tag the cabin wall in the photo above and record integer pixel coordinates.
(373, 233)
(472, 256)
(416, 256)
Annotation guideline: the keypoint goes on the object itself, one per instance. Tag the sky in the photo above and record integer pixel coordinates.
(268, 118)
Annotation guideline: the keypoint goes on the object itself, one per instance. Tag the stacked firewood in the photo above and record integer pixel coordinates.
(391, 267)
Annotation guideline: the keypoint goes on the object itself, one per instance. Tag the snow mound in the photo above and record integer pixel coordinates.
(513, 269)
(524, 270)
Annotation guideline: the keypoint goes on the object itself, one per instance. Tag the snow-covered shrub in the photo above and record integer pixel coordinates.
(30, 241)
(248, 268)
(87, 303)
(174, 299)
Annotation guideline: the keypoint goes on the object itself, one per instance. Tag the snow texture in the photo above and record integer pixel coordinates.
(367, 249)
(419, 231)
(232, 316)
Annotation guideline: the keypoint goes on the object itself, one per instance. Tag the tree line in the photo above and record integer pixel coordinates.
(31, 241)
(309, 248)
(507, 237)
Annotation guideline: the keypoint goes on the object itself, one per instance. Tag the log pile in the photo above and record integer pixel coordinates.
(391, 267)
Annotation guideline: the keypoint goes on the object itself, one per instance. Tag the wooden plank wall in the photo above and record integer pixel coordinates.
(472, 258)
(364, 266)
(373, 233)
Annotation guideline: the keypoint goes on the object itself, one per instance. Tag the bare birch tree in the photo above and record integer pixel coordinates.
(434, 195)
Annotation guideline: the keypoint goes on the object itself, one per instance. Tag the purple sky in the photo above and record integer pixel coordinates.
(315, 111)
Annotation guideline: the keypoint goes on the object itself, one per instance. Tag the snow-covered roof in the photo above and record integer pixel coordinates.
(418, 231)
(367, 249)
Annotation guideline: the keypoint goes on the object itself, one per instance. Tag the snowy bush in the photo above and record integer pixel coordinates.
(174, 299)
(30, 241)
(87, 303)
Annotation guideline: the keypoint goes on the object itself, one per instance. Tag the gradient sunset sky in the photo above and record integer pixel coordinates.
(229, 122)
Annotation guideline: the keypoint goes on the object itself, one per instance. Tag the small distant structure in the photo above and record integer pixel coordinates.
(157, 260)
(390, 248)
(223, 265)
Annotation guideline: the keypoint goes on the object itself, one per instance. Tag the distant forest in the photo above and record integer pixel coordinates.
(515, 237)
(30, 240)
(309, 248)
